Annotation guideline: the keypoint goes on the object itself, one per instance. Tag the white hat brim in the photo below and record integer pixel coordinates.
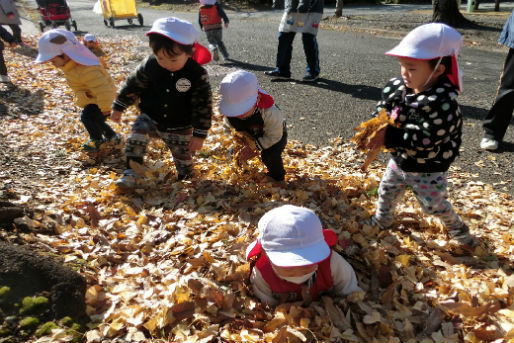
(300, 257)
(237, 109)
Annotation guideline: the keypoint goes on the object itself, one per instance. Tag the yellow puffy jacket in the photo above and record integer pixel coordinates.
(91, 84)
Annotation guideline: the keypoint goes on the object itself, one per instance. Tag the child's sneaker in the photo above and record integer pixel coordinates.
(91, 145)
(128, 179)
(372, 221)
(462, 235)
(4, 79)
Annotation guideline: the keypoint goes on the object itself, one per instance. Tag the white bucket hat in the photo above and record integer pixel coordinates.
(239, 91)
(430, 41)
(207, 2)
(57, 42)
(89, 37)
(183, 32)
(291, 236)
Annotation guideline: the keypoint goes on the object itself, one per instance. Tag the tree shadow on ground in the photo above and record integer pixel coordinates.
(246, 65)
(32, 104)
(356, 91)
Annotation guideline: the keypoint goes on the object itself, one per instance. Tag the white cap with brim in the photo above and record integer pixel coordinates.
(292, 236)
(58, 41)
(239, 91)
(89, 37)
(430, 41)
(181, 31)
(207, 2)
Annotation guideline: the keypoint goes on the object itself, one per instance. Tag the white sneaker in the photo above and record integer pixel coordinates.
(4, 79)
(489, 144)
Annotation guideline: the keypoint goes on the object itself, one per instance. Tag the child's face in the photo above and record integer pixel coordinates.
(59, 61)
(90, 44)
(416, 73)
(172, 63)
(295, 271)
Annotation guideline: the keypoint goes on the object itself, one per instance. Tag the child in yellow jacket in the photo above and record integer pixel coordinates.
(93, 87)
(89, 40)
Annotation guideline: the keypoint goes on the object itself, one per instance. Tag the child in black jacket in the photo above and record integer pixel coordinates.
(175, 97)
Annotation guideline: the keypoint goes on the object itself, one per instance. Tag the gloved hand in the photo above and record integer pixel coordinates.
(303, 8)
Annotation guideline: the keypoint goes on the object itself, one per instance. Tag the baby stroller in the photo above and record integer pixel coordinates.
(55, 13)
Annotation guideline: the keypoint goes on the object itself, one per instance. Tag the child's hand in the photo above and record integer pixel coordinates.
(226, 25)
(115, 116)
(13, 45)
(378, 140)
(246, 153)
(195, 144)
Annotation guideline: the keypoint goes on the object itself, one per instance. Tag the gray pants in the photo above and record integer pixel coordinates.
(177, 141)
(214, 37)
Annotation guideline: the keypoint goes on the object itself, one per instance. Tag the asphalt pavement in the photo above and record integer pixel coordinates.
(353, 72)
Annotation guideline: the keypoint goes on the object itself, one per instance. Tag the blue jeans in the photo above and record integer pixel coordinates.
(285, 51)
(94, 121)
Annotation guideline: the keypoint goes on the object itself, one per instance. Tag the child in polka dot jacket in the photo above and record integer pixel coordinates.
(427, 135)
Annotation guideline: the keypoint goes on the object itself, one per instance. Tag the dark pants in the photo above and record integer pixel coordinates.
(94, 121)
(272, 158)
(285, 51)
(497, 120)
(16, 32)
(3, 67)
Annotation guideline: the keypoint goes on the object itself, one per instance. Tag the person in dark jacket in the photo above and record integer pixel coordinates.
(4, 36)
(302, 16)
(9, 16)
(174, 95)
(210, 16)
(497, 120)
(426, 137)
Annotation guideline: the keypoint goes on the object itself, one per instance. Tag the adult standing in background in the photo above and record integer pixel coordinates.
(301, 16)
(497, 120)
(9, 16)
(339, 8)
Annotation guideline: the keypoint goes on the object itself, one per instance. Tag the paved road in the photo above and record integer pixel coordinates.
(353, 69)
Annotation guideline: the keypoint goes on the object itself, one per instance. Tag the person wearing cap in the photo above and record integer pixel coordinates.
(292, 259)
(500, 115)
(93, 87)
(252, 111)
(210, 15)
(426, 137)
(174, 94)
(4, 36)
(302, 16)
(90, 41)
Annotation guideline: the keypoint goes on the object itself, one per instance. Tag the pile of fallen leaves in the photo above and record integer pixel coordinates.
(166, 263)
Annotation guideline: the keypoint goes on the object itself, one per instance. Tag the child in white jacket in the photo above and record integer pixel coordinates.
(252, 111)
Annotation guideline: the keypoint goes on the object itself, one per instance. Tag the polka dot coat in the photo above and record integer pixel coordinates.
(429, 130)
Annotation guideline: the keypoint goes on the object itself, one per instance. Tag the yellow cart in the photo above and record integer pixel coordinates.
(120, 10)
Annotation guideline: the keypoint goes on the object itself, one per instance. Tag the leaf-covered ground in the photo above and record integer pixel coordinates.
(166, 263)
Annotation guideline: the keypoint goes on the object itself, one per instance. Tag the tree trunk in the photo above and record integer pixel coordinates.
(475, 5)
(497, 5)
(447, 11)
